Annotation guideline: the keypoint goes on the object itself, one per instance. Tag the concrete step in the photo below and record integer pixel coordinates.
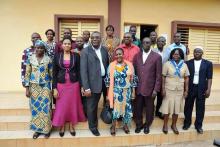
(12, 123)
(18, 104)
(85, 138)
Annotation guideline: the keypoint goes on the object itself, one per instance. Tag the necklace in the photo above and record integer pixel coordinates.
(120, 68)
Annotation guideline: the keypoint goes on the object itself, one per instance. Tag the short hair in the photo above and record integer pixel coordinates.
(121, 49)
(161, 37)
(67, 37)
(51, 31)
(96, 32)
(180, 52)
(111, 27)
(133, 26)
(68, 29)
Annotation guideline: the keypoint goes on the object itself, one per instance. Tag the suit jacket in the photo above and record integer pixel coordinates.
(205, 73)
(149, 73)
(90, 68)
(59, 70)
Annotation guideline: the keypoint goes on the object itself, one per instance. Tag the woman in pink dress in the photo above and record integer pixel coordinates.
(66, 89)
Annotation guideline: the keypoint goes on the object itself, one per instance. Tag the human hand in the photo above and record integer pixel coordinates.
(55, 93)
(28, 93)
(207, 93)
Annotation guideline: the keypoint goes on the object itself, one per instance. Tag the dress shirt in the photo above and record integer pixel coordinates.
(197, 64)
(145, 55)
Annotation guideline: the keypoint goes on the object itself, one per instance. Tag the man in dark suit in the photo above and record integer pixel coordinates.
(93, 65)
(148, 68)
(200, 81)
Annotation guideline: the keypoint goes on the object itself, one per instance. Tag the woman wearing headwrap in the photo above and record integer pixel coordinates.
(38, 89)
(120, 80)
(174, 88)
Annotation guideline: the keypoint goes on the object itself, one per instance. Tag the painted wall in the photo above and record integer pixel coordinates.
(163, 12)
(20, 18)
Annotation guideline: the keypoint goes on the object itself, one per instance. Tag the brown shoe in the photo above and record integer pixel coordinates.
(175, 131)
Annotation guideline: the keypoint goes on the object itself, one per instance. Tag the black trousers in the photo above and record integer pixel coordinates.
(141, 102)
(104, 91)
(159, 102)
(200, 108)
(92, 108)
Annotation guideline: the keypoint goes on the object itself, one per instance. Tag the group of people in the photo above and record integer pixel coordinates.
(130, 74)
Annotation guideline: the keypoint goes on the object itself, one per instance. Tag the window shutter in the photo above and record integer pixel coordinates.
(212, 49)
(209, 40)
(184, 34)
(78, 26)
(196, 38)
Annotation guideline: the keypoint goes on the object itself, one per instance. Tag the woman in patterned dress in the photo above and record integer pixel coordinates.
(110, 41)
(38, 88)
(120, 80)
(51, 44)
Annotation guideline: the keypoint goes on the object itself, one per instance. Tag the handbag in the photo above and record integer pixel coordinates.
(106, 114)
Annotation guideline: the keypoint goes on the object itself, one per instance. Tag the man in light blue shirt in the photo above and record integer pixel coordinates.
(176, 44)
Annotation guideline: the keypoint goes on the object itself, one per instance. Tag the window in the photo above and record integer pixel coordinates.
(200, 34)
(78, 24)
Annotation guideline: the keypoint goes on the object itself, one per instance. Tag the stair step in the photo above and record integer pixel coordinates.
(85, 138)
(11, 123)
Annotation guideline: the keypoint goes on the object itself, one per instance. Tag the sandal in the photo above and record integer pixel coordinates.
(112, 130)
(47, 135)
(126, 130)
(36, 135)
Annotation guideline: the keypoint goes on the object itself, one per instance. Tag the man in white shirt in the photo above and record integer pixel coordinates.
(200, 82)
(93, 65)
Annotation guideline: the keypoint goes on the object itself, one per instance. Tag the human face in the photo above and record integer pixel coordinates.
(133, 31)
(176, 56)
(119, 56)
(153, 36)
(79, 42)
(66, 45)
(109, 31)
(146, 43)
(96, 40)
(86, 36)
(39, 50)
(50, 35)
(161, 42)
(35, 37)
(127, 39)
(177, 38)
(198, 53)
(67, 33)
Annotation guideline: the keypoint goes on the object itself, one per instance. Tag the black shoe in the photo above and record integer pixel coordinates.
(146, 130)
(61, 134)
(185, 127)
(138, 129)
(160, 115)
(199, 130)
(95, 132)
(73, 133)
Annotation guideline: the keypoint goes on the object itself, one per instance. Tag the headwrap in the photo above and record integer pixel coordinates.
(40, 43)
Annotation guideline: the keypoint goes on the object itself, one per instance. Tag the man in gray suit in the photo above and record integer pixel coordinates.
(93, 65)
